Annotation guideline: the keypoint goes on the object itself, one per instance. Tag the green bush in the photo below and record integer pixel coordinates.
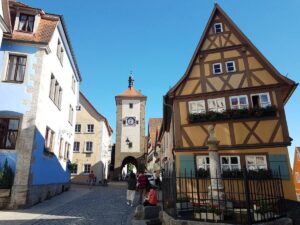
(6, 176)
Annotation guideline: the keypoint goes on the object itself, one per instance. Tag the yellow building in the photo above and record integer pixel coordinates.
(92, 145)
(230, 85)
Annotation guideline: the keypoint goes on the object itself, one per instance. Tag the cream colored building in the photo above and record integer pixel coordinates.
(92, 145)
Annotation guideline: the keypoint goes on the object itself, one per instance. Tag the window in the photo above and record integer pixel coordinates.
(76, 146)
(74, 169)
(77, 128)
(26, 23)
(130, 105)
(86, 168)
(8, 133)
(202, 162)
(218, 27)
(216, 105)
(71, 111)
(49, 140)
(239, 102)
(256, 162)
(78, 108)
(16, 68)
(230, 66)
(90, 128)
(261, 100)
(230, 163)
(60, 51)
(197, 107)
(217, 68)
(130, 145)
(67, 151)
(55, 92)
(88, 146)
(73, 83)
(61, 143)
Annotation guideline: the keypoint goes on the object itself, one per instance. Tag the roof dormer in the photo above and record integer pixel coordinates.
(26, 22)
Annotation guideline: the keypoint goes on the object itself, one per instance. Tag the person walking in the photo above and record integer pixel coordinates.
(131, 187)
(142, 184)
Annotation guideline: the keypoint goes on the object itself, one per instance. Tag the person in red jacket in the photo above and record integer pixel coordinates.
(142, 184)
(152, 197)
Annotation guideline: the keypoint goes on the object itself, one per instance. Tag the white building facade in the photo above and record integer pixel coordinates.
(40, 78)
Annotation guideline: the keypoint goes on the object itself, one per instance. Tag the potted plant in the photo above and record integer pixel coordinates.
(208, 212)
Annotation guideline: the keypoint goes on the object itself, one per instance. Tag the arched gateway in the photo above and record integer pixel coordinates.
(130, 131)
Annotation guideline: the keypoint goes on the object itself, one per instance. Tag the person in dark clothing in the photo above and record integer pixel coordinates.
(142, 185)
(131, 182)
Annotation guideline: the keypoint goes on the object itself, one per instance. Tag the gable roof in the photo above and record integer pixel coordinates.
(243, 37)
(108, 127)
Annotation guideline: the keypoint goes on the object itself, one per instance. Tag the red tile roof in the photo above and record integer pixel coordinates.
(131, 92)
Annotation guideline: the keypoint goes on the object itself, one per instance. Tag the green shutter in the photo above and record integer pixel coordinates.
(187, 165)
(280, 162)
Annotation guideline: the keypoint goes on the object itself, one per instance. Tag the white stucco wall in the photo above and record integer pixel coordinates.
(106, 143)
(48, 114)
(131, 132)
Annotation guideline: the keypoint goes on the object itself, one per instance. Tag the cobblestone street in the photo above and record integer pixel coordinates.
(80, 205)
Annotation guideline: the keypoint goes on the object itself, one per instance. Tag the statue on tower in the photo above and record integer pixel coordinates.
(130, 81)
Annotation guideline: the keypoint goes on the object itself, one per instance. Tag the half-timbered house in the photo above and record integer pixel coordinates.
(230, 85)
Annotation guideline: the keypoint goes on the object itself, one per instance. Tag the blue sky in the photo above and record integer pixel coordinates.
(156, 39)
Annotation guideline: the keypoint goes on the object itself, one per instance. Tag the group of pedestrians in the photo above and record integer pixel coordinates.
(147, 193)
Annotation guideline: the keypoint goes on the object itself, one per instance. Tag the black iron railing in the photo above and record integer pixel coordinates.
(244, 197)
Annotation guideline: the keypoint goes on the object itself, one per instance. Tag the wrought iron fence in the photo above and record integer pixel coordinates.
(239, 197)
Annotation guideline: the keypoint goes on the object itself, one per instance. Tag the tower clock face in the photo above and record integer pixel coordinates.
(130, 121)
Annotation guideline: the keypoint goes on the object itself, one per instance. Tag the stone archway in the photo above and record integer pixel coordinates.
(129, 163)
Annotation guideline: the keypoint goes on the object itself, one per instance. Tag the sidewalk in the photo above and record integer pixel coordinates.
(17, 217)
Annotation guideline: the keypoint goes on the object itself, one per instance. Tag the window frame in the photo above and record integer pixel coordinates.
(90, 168)
(60, 51)
(49, 147)
(213, 68)
(234, 66)
(206, 165)
(17, 67)
(217, 109)
(196, 102)
(239, 104)
(78, 108)
(27, 23)
(90, 131)
(221, 27)
(230, 164)
(71, 115)
(78, 125)
(260, 94)
(76, 146)
(86, 147)
(7, 132)
(265, 160)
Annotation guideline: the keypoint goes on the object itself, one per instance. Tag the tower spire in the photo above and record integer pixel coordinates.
(130, 80)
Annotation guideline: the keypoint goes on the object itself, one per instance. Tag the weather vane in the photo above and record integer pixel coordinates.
(130, 80)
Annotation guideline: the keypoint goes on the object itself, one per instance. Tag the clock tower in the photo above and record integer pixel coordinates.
(130, 131)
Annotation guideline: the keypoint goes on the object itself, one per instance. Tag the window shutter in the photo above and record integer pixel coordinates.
(280, 162)
(187, 165)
